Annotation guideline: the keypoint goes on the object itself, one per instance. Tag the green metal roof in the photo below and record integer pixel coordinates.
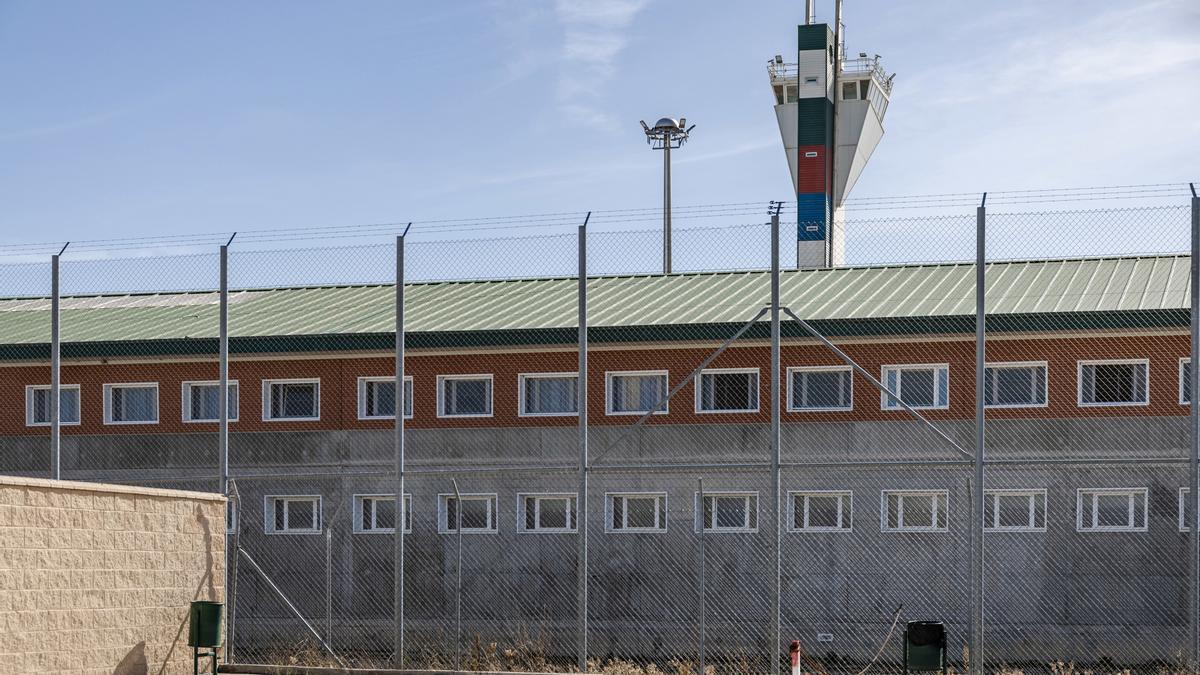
(1150, 291)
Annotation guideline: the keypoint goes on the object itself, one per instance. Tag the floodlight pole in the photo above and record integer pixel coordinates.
(667, 206)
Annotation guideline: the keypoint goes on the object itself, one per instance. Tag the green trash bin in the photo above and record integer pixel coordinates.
(925, 646)
(204, 624)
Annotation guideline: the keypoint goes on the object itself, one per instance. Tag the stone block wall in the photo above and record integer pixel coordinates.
(96, 578)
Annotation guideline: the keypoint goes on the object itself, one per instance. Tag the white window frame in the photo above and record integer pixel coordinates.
(1183, 495)
(108, 389)
(29, 392)
(1032, 494)
(750, 495)
(608, 391)
(900, 525)
(696, 384)
(791, 404)
(266, 399)
(660, 512)
(441, 395)
(1096, 492)
(269, 503)
(572, 507)
(1109, 362)
(1016, 365)
(522, 377)
(356, 505)
(1184, 364)
(362, 397)
(444, 512)
(845, 510)
(901, 368)
(185, 389)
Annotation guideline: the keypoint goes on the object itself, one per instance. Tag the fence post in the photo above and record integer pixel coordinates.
(581, 508)
(1194, 466)
(978, 497)
(55, 372)
(398, 448)
(223, 414)
(458, 507)
(776, 492)
(703, 594)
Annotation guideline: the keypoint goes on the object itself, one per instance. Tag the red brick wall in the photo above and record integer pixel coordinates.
(339, 381)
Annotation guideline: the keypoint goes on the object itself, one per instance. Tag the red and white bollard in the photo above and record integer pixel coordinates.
(794, 649)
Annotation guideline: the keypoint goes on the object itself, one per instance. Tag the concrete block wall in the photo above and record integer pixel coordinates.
(97, 578)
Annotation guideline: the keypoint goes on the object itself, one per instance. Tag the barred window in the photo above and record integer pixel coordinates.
(820, 388)
(727, 390)
(915, 510)
(820, 511)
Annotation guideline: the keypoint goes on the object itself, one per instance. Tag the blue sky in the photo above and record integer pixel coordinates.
(125, 119)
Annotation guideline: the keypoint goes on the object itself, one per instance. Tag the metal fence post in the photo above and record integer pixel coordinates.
(1194, 467)
(55, 372)
(329, 585)
(703, 594)
(458, 507)
(223, 413)
(978, 496)
(398, 448)
(776, 492)
(581, 507)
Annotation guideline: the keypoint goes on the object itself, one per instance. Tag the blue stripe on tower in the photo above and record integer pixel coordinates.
(812, 209)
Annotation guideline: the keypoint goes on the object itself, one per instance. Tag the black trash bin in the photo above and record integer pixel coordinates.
(924, 646)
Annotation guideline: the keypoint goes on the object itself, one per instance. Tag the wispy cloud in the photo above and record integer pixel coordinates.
(595, 33)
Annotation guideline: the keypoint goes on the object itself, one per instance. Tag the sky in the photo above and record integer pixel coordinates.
(145, 118)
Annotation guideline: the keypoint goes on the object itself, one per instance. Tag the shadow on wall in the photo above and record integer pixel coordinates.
(134, 662)
(207, 579)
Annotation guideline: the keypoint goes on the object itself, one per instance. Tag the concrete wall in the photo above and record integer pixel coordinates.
(97, 578)
(1057, 593)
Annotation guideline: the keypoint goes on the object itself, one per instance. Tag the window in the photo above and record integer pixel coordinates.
(549, 394)
(914, 510)
(728, 511)
(1114, 383)
(1111, 510)
(377, 513)
(1014, 385)
(1014, 510)
(377, 398)
(1185, 381)
(464, 395)
(131, 403)
(820, 511)
(230, 516)
(636, 512)
(918, 386)
(1185, 510)
(727, 390)
(546, 512)
(849, 91)
(820, 388)
(291, 400)
(37, 405)
(478, 513)
(293, 514)
(200, 401)
(636, 393)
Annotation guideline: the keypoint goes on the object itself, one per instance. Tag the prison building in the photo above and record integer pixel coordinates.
(1087, 404)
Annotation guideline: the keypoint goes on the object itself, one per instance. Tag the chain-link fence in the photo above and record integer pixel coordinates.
(609, 468)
